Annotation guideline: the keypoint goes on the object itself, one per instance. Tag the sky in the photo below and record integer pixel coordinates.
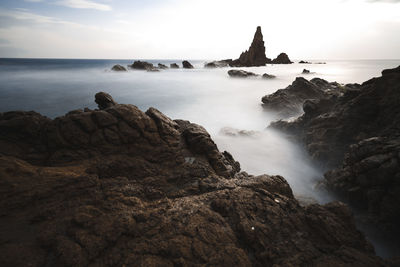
(199, 29)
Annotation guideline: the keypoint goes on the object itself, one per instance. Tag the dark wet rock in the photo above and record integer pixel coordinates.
(186, 65)
(304, 62)
(174, 66)
(305, 71)
(118, 68)
(289, 101)
(162, 66)
(142, 65)
(120, 187)
(357, 134)
(268, 76)
(255, 56)
(104, 100)
(218, 64)
(282, 58)
(241, 73)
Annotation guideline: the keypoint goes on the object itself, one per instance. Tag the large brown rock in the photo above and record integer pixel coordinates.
(119, 187)
(255, 56)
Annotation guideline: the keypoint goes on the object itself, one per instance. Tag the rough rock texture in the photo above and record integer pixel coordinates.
(174, 66)
(282, 58)
(119, 187)
(162, 66)
(362, 127)
(118, 68)
(241, 73)
(289, 101)
(186, 65)
(255, 56)
(218, 64)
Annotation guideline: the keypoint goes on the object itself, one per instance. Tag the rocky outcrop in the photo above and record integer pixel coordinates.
(304, 62)
(282, 58)
(289, 102)
(174, 66)
(241, 74)
(255, 56)
(162, 66)
(120, 187)
(268, 76)
(141, 65)
(218, 64)
(118, 68)
(186, 65)
(361, 130)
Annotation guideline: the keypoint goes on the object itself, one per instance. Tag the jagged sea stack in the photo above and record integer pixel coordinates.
(255, 56)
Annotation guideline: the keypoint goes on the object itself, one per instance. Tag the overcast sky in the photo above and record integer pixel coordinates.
(199, 29)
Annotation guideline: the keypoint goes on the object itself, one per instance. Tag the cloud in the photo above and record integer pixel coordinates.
(84, 4)
(34, 1)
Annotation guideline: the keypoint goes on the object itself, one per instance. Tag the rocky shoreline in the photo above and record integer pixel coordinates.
(120, 187)
(355, 134)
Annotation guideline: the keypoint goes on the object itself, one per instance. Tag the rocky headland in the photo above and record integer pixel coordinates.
(356, 134)
(117, 186)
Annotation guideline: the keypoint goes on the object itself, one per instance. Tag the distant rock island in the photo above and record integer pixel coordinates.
(253, 57)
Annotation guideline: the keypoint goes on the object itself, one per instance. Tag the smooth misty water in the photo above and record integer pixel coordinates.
(208, 97)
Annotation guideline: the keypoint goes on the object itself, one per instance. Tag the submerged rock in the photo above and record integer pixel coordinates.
(255, 56)
(282, 58)
(174, 66)
(120, 187)
(241, 73)
(162, 66)
(218, 64)
(118, 68)
(268, 76)
(186, 65)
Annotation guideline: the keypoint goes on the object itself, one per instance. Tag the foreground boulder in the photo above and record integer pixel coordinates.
(289, 102)
(255, 56)
(282, 58)
(241, 73)
(361, 130)
(186, 65)
(118, 68)
(119, 187)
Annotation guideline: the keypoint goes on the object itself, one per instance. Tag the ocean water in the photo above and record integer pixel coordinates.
(208, 97)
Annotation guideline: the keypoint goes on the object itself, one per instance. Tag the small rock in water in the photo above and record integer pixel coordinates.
(241, 73)
(306, 71)
(186, 65)
(118, 68)
(268, 76)
(174, 66)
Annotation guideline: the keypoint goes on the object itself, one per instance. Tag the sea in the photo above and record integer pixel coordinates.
(224, 106)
